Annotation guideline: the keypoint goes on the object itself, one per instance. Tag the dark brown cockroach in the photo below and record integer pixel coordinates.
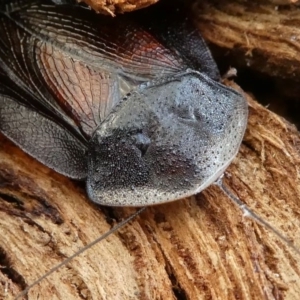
(132, 106)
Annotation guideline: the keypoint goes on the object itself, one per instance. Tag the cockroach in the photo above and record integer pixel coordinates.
(141, 118)
(132, 106)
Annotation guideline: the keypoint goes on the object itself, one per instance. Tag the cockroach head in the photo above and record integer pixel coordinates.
(167, 140)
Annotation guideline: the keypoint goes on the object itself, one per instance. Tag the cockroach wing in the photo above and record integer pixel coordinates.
(39, 136)
(67, 88)
(86, 95)
(118, 45)
(169, 139)
(17, 62)
(178, 33)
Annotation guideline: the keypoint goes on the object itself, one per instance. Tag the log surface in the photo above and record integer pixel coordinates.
(257, 35)
(197, 248)
(113, 7)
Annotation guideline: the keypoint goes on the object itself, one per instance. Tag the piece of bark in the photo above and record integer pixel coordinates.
(197, 248)
(117, 6)
(259, 36)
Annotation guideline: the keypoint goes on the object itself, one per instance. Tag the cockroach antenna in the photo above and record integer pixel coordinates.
(249, 213)
(99, 239)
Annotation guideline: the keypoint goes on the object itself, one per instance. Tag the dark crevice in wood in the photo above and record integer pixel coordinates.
(12, 200)
(9, 271)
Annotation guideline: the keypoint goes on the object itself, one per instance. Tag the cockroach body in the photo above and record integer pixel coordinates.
(131, 105)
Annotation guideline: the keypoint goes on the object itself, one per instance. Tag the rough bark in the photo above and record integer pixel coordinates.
(197, 248)
(117, 6)
(257, 35)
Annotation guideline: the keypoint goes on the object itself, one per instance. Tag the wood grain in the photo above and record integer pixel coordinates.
(113, 7)
(256, 35)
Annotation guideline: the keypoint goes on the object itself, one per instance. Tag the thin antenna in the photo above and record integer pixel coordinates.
(102, 237)
(249, 213)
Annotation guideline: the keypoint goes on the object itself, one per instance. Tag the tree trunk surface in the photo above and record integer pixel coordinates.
(202, 247)
(112, 7)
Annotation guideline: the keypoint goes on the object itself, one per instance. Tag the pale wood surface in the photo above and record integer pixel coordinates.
(198, 248)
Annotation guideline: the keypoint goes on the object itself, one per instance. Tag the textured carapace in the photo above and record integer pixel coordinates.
(131, 105)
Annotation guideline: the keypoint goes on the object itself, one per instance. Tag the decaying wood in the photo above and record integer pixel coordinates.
(117, 6)
(197, 248)
(259, 35)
